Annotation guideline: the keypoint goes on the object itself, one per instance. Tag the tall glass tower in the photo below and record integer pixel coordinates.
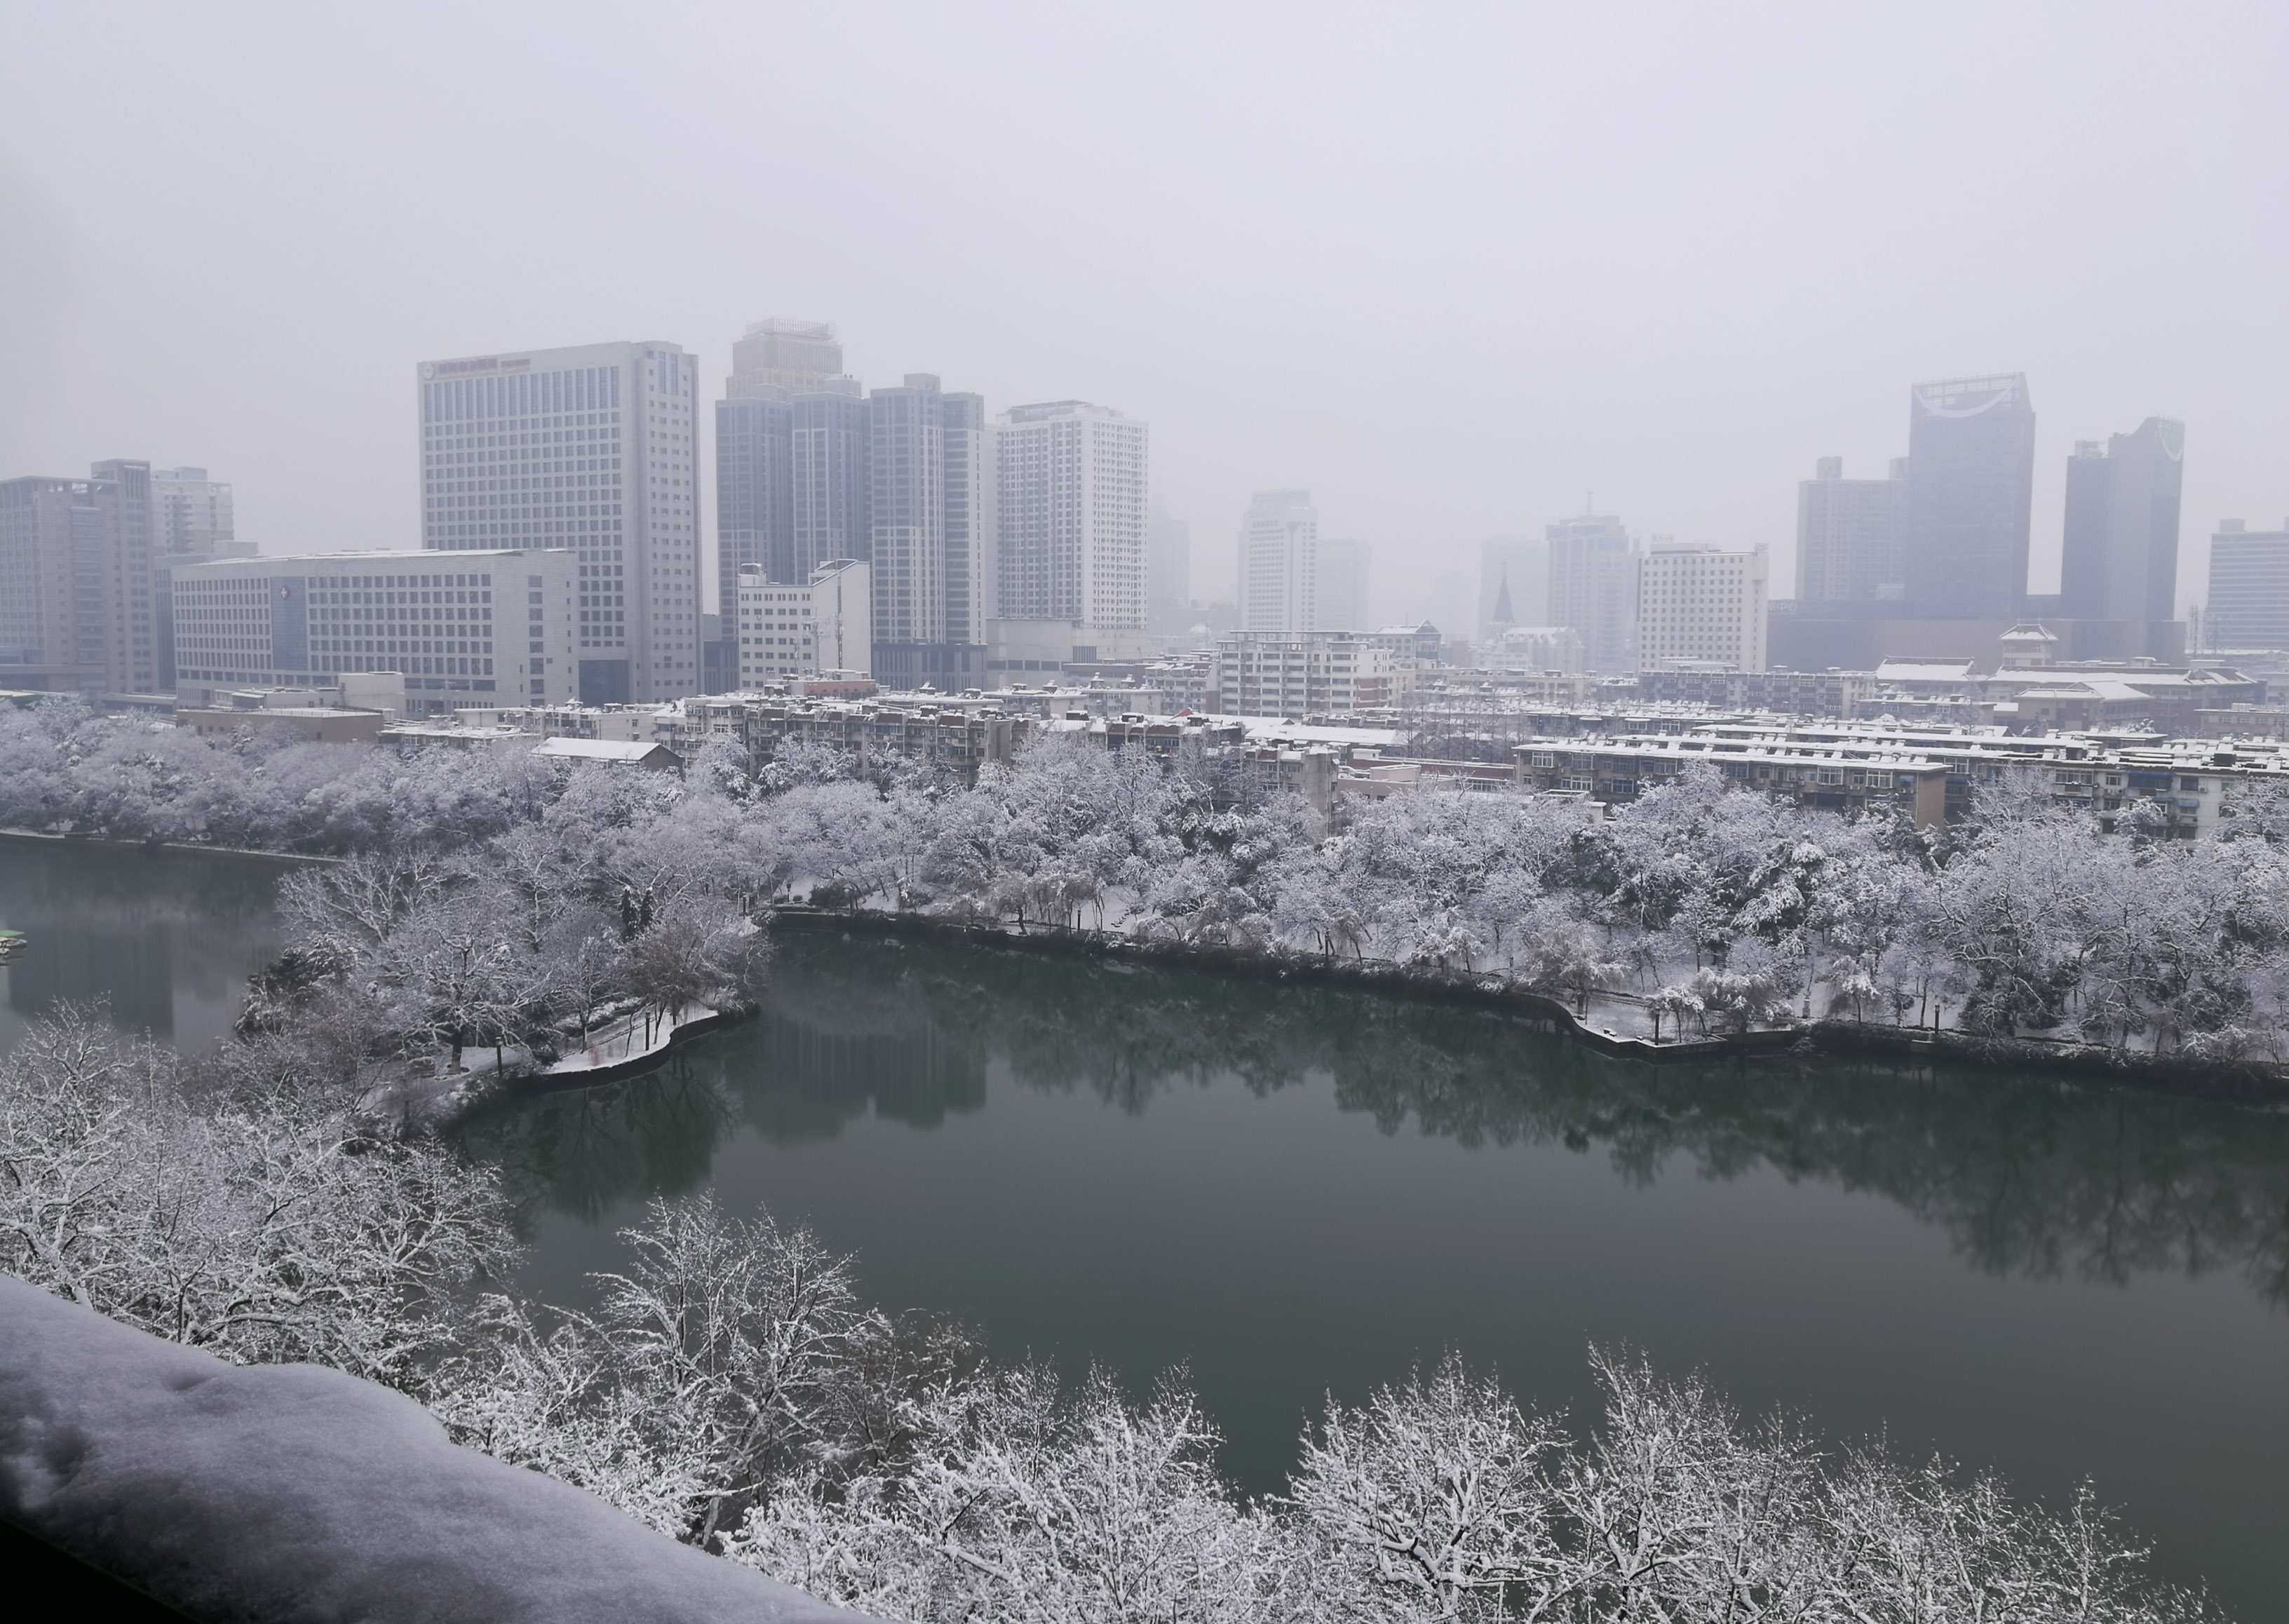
(1971, 485)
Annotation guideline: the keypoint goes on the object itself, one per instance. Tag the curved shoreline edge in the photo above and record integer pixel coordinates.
(2246, 1083)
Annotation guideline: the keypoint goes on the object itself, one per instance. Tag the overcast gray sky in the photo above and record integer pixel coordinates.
(1452, 266)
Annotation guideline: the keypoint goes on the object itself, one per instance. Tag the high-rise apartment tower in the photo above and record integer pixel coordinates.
(927, 508)
(1072, 523)
(592, 448)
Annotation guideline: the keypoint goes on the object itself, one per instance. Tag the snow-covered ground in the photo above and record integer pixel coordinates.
(292, 1491)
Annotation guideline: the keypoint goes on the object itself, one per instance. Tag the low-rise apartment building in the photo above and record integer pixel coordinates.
(1305, 673)
(462, 627)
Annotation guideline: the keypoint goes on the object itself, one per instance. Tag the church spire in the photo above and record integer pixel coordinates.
(1501, 599)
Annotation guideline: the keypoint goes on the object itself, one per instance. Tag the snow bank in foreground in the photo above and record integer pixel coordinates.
(292, 1491)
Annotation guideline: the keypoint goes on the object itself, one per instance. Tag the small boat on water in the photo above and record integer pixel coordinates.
(11, 944)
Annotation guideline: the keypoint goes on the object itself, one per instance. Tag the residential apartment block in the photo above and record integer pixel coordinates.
(1073, 527)
(1298, 674)
(76, 613)
(781, 631)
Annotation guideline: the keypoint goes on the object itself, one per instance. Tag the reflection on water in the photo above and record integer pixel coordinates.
(166, 942)
(2027, 1176)
(1294, 1190)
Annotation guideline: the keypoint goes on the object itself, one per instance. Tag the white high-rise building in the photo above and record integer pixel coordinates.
(779, 630)
(1700, 606)
(473, 626)
(592, 448)
(1073, 519)
(1279, 562)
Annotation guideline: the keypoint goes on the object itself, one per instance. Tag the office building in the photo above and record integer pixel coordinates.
(1279, 562)
(1167, 573)
(1300, 674)
(1593, 588)
(1700, 606)
(465, 625)
(2121, 553)
(780, 631)
(592, 449)
(2249, 588)
(1342, 601)
(1517, 571)
(928, 510)
(1850, 536)
(1971, 482)
(76, 611)
(1072, 523)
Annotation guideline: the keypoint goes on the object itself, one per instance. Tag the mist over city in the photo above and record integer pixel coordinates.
(1051, 814)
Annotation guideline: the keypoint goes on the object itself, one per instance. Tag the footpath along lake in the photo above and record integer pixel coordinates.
(1296, 1190)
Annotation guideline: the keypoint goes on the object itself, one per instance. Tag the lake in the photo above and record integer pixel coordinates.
(1294, 1190)
(165, 942)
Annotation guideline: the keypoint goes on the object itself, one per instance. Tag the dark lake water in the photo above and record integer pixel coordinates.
(165, 943)
(1296, 1190)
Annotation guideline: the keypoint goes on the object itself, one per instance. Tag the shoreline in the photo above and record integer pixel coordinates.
(2243, 1083)
(165, 848)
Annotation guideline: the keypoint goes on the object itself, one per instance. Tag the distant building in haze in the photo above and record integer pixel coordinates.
(1971, 482)
(591, 450)
(1523, 568)
(1699, 605)
(1167, 572)
(778, 353)
(1341, 600)
(2249, 588)
(1279, 562)
(1593, 588)
(191, 513)
(2121, 553)
(1849, 535)
(75, 614)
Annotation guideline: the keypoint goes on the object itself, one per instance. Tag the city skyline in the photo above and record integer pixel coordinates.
(1690, 390)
